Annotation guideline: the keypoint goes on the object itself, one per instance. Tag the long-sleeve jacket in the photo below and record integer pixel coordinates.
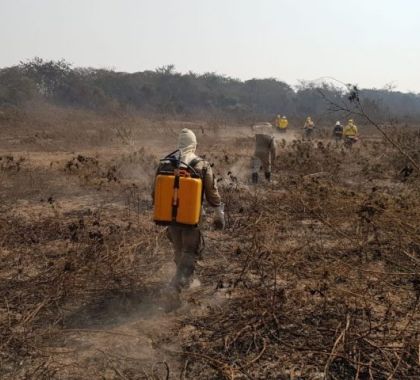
(338, 130)
(265, 146)
(283, 123)
(350, 130)
(211, 191)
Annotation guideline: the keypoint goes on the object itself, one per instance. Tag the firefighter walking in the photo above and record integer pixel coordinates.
(338, 132)
(265, 152)
(308, 128)
(350, 133)
(182, 180)
(282, 123)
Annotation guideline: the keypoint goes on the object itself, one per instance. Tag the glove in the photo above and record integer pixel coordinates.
(219, 218)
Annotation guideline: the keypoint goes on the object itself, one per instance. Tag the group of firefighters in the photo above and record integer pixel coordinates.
(349, 132)
(184, 180)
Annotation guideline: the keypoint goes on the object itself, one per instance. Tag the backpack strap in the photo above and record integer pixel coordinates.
(194, 162)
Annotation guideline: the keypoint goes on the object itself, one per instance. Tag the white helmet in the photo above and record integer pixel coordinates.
(337, 123)
(284, 117)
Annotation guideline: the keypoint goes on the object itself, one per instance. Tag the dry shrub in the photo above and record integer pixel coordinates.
(324, 280)
(53, 265)
(320, 267)
(8, 163)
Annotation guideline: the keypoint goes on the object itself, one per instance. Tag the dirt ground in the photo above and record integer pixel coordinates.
(316, 275)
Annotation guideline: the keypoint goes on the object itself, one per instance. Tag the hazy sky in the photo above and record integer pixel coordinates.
(369, 42)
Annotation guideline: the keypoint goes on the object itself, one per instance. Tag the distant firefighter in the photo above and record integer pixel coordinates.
(350, 130)
(338, 132)
(308, 128)
(265, 152)
(351, 134)
(282, 123)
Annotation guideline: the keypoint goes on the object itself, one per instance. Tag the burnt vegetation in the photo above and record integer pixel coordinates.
(316, 275)
(319, 270)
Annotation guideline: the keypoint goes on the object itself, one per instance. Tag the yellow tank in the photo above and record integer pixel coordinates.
(182, 205)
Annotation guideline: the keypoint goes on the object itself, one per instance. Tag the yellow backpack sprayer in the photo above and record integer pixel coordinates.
(178, 192)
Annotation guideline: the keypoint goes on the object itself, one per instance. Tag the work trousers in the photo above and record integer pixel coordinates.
(338, 138)
(261, 160)
(188, 244)
(307, 133)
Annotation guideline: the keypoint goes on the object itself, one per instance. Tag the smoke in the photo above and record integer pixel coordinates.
(240, 170)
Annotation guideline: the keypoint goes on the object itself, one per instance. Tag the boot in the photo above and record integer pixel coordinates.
(182, 278)
(268, 176)
(255, 178)
(178, 282)
(170, 299)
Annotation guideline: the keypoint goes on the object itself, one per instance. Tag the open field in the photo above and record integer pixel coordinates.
(316, 275)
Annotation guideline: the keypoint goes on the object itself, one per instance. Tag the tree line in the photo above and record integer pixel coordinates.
(168, 92)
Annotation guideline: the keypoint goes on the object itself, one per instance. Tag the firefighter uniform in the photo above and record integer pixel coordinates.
(188, 241)
(265, 153)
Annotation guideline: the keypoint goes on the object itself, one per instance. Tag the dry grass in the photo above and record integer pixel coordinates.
(316, 275)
